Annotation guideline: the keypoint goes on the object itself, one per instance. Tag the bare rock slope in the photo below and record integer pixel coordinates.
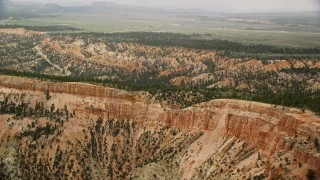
(76, 130)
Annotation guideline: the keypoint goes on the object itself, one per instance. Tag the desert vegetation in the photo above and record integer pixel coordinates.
(174, 68)
(111, 91)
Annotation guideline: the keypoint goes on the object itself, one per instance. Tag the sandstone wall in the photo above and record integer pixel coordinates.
(68, 88)
(270, 128)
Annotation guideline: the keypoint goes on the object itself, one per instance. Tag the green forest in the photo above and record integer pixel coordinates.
(290, 92)
(173, 94)
(196, 41)
(41, 28)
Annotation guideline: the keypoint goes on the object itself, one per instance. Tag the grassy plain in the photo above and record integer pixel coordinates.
(291, 30)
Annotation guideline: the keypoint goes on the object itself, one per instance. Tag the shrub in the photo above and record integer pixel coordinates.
(310, 174)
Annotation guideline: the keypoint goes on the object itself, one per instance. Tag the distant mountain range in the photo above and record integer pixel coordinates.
(29, 9)
(14, 9)
(18, 9)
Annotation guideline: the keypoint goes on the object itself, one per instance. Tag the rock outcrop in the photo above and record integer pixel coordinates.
(268, 128)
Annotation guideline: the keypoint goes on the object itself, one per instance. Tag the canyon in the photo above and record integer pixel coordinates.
(130, 135)
(181, 70)
(104, 56)
(110, 91)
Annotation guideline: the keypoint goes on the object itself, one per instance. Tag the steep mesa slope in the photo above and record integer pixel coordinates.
(212, 140)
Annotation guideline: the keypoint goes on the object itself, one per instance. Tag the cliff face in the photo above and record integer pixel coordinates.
(68, 88)
(270, 130)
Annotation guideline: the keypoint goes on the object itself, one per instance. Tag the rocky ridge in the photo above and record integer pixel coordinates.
(91, 56)
(237, 138)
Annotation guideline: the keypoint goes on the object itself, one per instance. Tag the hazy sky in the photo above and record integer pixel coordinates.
(215, 5)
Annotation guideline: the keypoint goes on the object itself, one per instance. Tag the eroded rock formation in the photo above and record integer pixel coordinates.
(238, 139)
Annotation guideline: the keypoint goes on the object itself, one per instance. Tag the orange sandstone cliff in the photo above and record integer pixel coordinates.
(239, 139)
